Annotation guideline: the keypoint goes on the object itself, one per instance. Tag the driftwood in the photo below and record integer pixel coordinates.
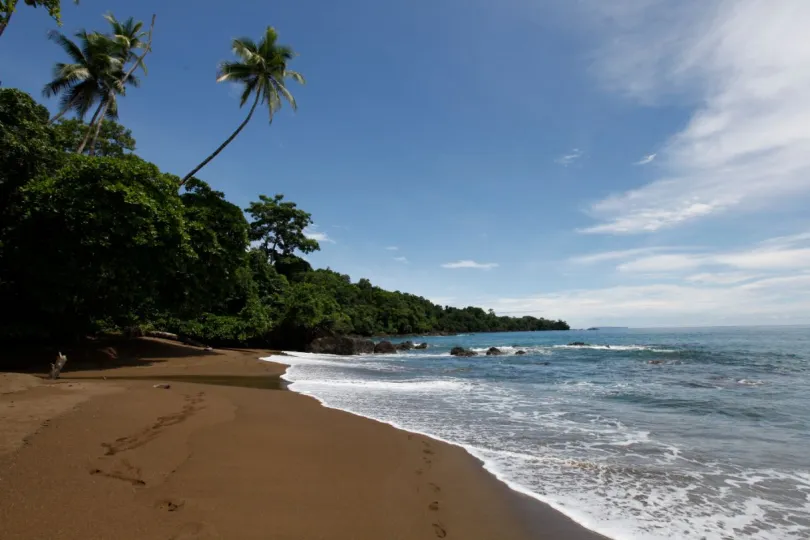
(56, 367)
(175, 337)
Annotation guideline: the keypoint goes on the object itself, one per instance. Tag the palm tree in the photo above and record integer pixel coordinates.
(84, 81)
(127, 37)
(261, 70)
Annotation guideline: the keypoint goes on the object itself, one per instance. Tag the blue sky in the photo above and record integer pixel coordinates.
(635, 162)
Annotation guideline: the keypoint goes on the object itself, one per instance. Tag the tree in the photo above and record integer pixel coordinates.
(279, 227)
(97, 240)
(262, 70)
(94, 69)
(114, 140)
(7, 8)
(126, 37)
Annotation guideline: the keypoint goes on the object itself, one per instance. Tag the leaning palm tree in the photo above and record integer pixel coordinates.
(261, 70)
(127, 37)
(84, 81)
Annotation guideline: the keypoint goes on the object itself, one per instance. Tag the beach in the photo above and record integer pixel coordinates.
(105, 453)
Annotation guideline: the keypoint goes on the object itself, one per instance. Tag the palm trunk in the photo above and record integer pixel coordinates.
(86, 139)
(223, 145)
(62, 113)
(97, 129)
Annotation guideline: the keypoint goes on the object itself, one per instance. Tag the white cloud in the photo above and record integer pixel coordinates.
(720, 278)
(313, 234)
(401, 259)
(768, 301)
(470, 264)
(392, 248)
(603, 256)
(646, 159)
(662, 263)
(569, 158)
(747, 145)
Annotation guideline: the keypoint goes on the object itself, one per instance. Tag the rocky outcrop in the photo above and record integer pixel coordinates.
(405, 346)
(421, 346)
(577, 344)
(342, 345)
(494, 351)
(461, 351)
(385, 347)
(520, 353)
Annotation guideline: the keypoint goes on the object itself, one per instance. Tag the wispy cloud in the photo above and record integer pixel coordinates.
(603, 256)
(747, 144)
(569, 158)
(401, 259)
(720, 278)
(313, 234)
(470, 264)
(392, 248)
(646, 159)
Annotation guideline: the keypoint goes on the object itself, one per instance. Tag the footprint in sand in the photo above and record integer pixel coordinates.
(434, 506)
(123, 471)
(170, 505)
(196, 531)
(434, 487)
(439, 529)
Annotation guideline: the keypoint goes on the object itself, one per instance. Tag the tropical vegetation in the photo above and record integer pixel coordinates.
(95, 239)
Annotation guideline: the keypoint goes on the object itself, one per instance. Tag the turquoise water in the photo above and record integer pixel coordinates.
(643, 434)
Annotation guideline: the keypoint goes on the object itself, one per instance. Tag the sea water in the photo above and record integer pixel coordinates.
(641, 434)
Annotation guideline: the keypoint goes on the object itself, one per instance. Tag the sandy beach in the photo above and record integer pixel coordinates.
(103, 453)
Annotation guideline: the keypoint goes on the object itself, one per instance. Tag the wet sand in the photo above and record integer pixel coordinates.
(226, 453)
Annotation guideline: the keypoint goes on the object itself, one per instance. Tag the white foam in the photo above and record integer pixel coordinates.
(615, 348)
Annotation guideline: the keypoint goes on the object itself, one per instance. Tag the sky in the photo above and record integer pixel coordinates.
(623, 163)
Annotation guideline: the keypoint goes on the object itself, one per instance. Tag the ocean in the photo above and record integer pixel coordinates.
(693, 433)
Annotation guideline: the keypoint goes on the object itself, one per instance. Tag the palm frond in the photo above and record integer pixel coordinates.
(247, 50)
(250, 86)
(294, 75)
(73, 51)
(282, 90)
(235, 71)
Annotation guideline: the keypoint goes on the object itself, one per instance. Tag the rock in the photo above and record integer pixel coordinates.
(461, 351)
(521, 352)
(577, 344)
(385, 347)
(405, 346)
(162, 386)
(342, 345)
(545, 363)
(494, 351)
(421, 346)
(655, 362)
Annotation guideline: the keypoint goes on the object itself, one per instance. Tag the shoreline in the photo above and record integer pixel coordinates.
(210, 461)
(523, 497)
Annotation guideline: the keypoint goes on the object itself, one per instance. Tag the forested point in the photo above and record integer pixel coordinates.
(107, 243)
(95, 240)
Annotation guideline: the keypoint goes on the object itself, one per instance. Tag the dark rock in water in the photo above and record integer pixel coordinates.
(494, 351)
(385, 347)
(545, 363)
(405, 346)
(461, 351)
(518, 353)
(421, 346)
(655, 362)
(342, 345)
(577, 344)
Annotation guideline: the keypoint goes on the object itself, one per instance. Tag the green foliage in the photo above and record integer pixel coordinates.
(279, 227)
(96, 239)
(114, 140)
(89, 243)
(7, 8)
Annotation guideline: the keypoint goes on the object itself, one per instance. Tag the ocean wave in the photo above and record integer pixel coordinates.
(395, 386)
(616, 348)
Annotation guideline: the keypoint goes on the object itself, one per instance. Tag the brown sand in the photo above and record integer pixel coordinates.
(121, 459)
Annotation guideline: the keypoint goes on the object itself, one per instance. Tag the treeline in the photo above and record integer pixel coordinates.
(105, 243)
